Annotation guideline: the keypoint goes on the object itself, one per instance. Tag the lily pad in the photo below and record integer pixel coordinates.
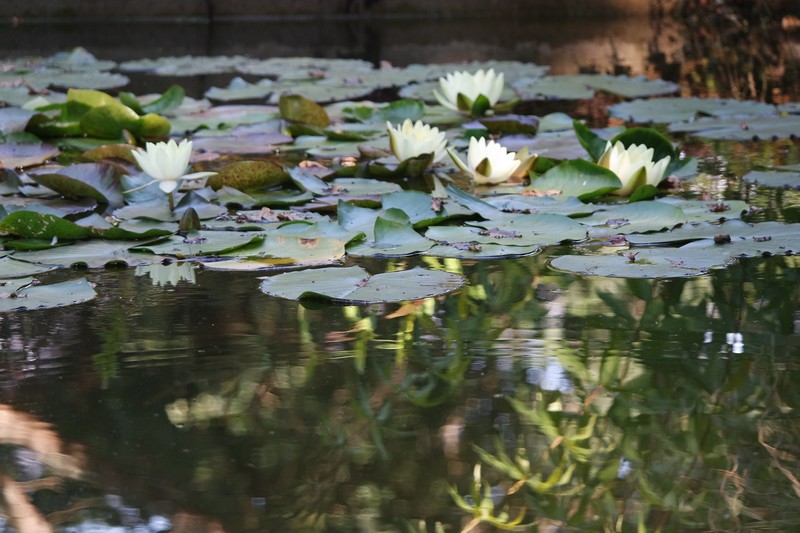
(281, 251)
(88, 180)
(12, 268)
(201, 243)
(354, 285)
(637, 217)
(92, 254)
(33, 297)
(662, 110)
(580, 178)
(249, 176)
(742, 128)
(620, 266)
(773, 178)
(24, 155)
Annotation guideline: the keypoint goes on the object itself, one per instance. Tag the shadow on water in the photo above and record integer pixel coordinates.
(186, 400)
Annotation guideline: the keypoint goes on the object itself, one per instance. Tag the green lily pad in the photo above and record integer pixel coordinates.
(472, 250)
(419, 208)
(297, 108)
(201, 243)
(281, 251)
(25, 155)
(392, 239)
(662, 110)
(13, 119)
(34, 297)
(239, 89)
(249, 176)
(583, 86)
(637, 217)
(703, 211)
(742, 128)
(223, 117)
(92, 254)
(12, 268)
(580, 178)
(87, 180)
(560, 205)
(31, 225)
(185, 65)
(354, 285)
(620, 266)
(773, 178)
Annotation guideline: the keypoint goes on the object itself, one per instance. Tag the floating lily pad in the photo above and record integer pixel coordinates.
(201, 243)
(249, 176)
(560, 205)
(742, 128)
(705, 211)
(583, 86)
(88, 180)
(28, 154)
(33, 297)
(773, 178)
(580, 178)
(280, 251)
(637, 217)
(354, 285)
(239, 89)
(224, 117)
(620, 266)
(472, 250)
(12, 268)
(13, 119)
(185, 65)
(92, 254)
(664, 110)
(392, 239)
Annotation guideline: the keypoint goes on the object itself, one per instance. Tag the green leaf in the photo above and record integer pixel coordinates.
(171, 99)
(33, 297)
(580, 178)
(30, 225)
(249, 176)
(353, 285)
(297, 108)
(108, 121)
(591, 142)
(399, 110)
(645, 192)
(480, 106)
(86, 180)
(649, 137)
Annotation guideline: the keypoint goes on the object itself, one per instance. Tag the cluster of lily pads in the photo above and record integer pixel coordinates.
(312, 177)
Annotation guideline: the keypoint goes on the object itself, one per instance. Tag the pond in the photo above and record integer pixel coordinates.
(537, 389)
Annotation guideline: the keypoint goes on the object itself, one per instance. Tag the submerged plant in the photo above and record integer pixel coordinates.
(471, 93)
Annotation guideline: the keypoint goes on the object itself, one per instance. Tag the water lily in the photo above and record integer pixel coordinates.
(413, 140)
(166, 163)
(488, 162)
(634, 166)
(462, 90)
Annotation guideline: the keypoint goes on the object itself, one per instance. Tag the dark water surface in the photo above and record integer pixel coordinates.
(187, 400)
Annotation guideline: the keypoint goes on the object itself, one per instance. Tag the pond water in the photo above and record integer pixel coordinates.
(184, 399)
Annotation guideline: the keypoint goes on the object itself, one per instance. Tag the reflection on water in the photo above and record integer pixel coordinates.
(589, 403)
(187, 400)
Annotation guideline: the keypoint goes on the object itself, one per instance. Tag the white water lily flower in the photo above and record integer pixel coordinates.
(413, 140)
(166, 163)
(470, 87)
(634, 166)
(488, 162)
